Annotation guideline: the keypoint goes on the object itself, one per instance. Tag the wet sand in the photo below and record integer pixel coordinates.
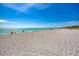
(60, 42)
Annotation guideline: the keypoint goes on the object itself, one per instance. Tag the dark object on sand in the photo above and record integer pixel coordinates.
(23, 31)
(50, 29)
(11, 32)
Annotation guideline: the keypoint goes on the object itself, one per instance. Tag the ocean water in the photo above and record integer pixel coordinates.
(6, 31)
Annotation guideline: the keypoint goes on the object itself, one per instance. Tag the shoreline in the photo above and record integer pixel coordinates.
(35, 31)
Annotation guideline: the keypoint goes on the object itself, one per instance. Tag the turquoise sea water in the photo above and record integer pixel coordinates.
(18, 30)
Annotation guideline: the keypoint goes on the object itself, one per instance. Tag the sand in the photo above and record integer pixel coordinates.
(60, 42)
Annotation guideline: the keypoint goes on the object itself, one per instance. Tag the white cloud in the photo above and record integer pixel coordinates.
(21, 8)
(12, 24)
(3, 21)
(63, 24)
(73, 22)
(41, 6)
(25, 7)
(6, 21)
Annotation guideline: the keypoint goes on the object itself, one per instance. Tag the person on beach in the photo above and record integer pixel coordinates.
(50, 29)
(11, 32)
(23, 31)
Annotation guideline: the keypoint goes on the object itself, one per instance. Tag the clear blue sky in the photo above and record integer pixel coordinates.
(39, 15)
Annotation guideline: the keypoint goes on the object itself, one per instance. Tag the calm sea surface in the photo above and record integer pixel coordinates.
(18, 30)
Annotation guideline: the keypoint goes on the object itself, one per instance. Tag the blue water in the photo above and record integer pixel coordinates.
(18, 30)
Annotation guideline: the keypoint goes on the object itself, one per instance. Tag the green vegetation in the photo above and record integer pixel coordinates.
(71, 27)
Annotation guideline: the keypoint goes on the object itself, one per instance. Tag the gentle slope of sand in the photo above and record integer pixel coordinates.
(49, 42)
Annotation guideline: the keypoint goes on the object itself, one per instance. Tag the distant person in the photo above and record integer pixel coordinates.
(11, 32)
(50, 28)
(15, 32)
(23, 31)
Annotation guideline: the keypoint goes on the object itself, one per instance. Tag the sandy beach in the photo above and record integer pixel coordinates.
(60, 42)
